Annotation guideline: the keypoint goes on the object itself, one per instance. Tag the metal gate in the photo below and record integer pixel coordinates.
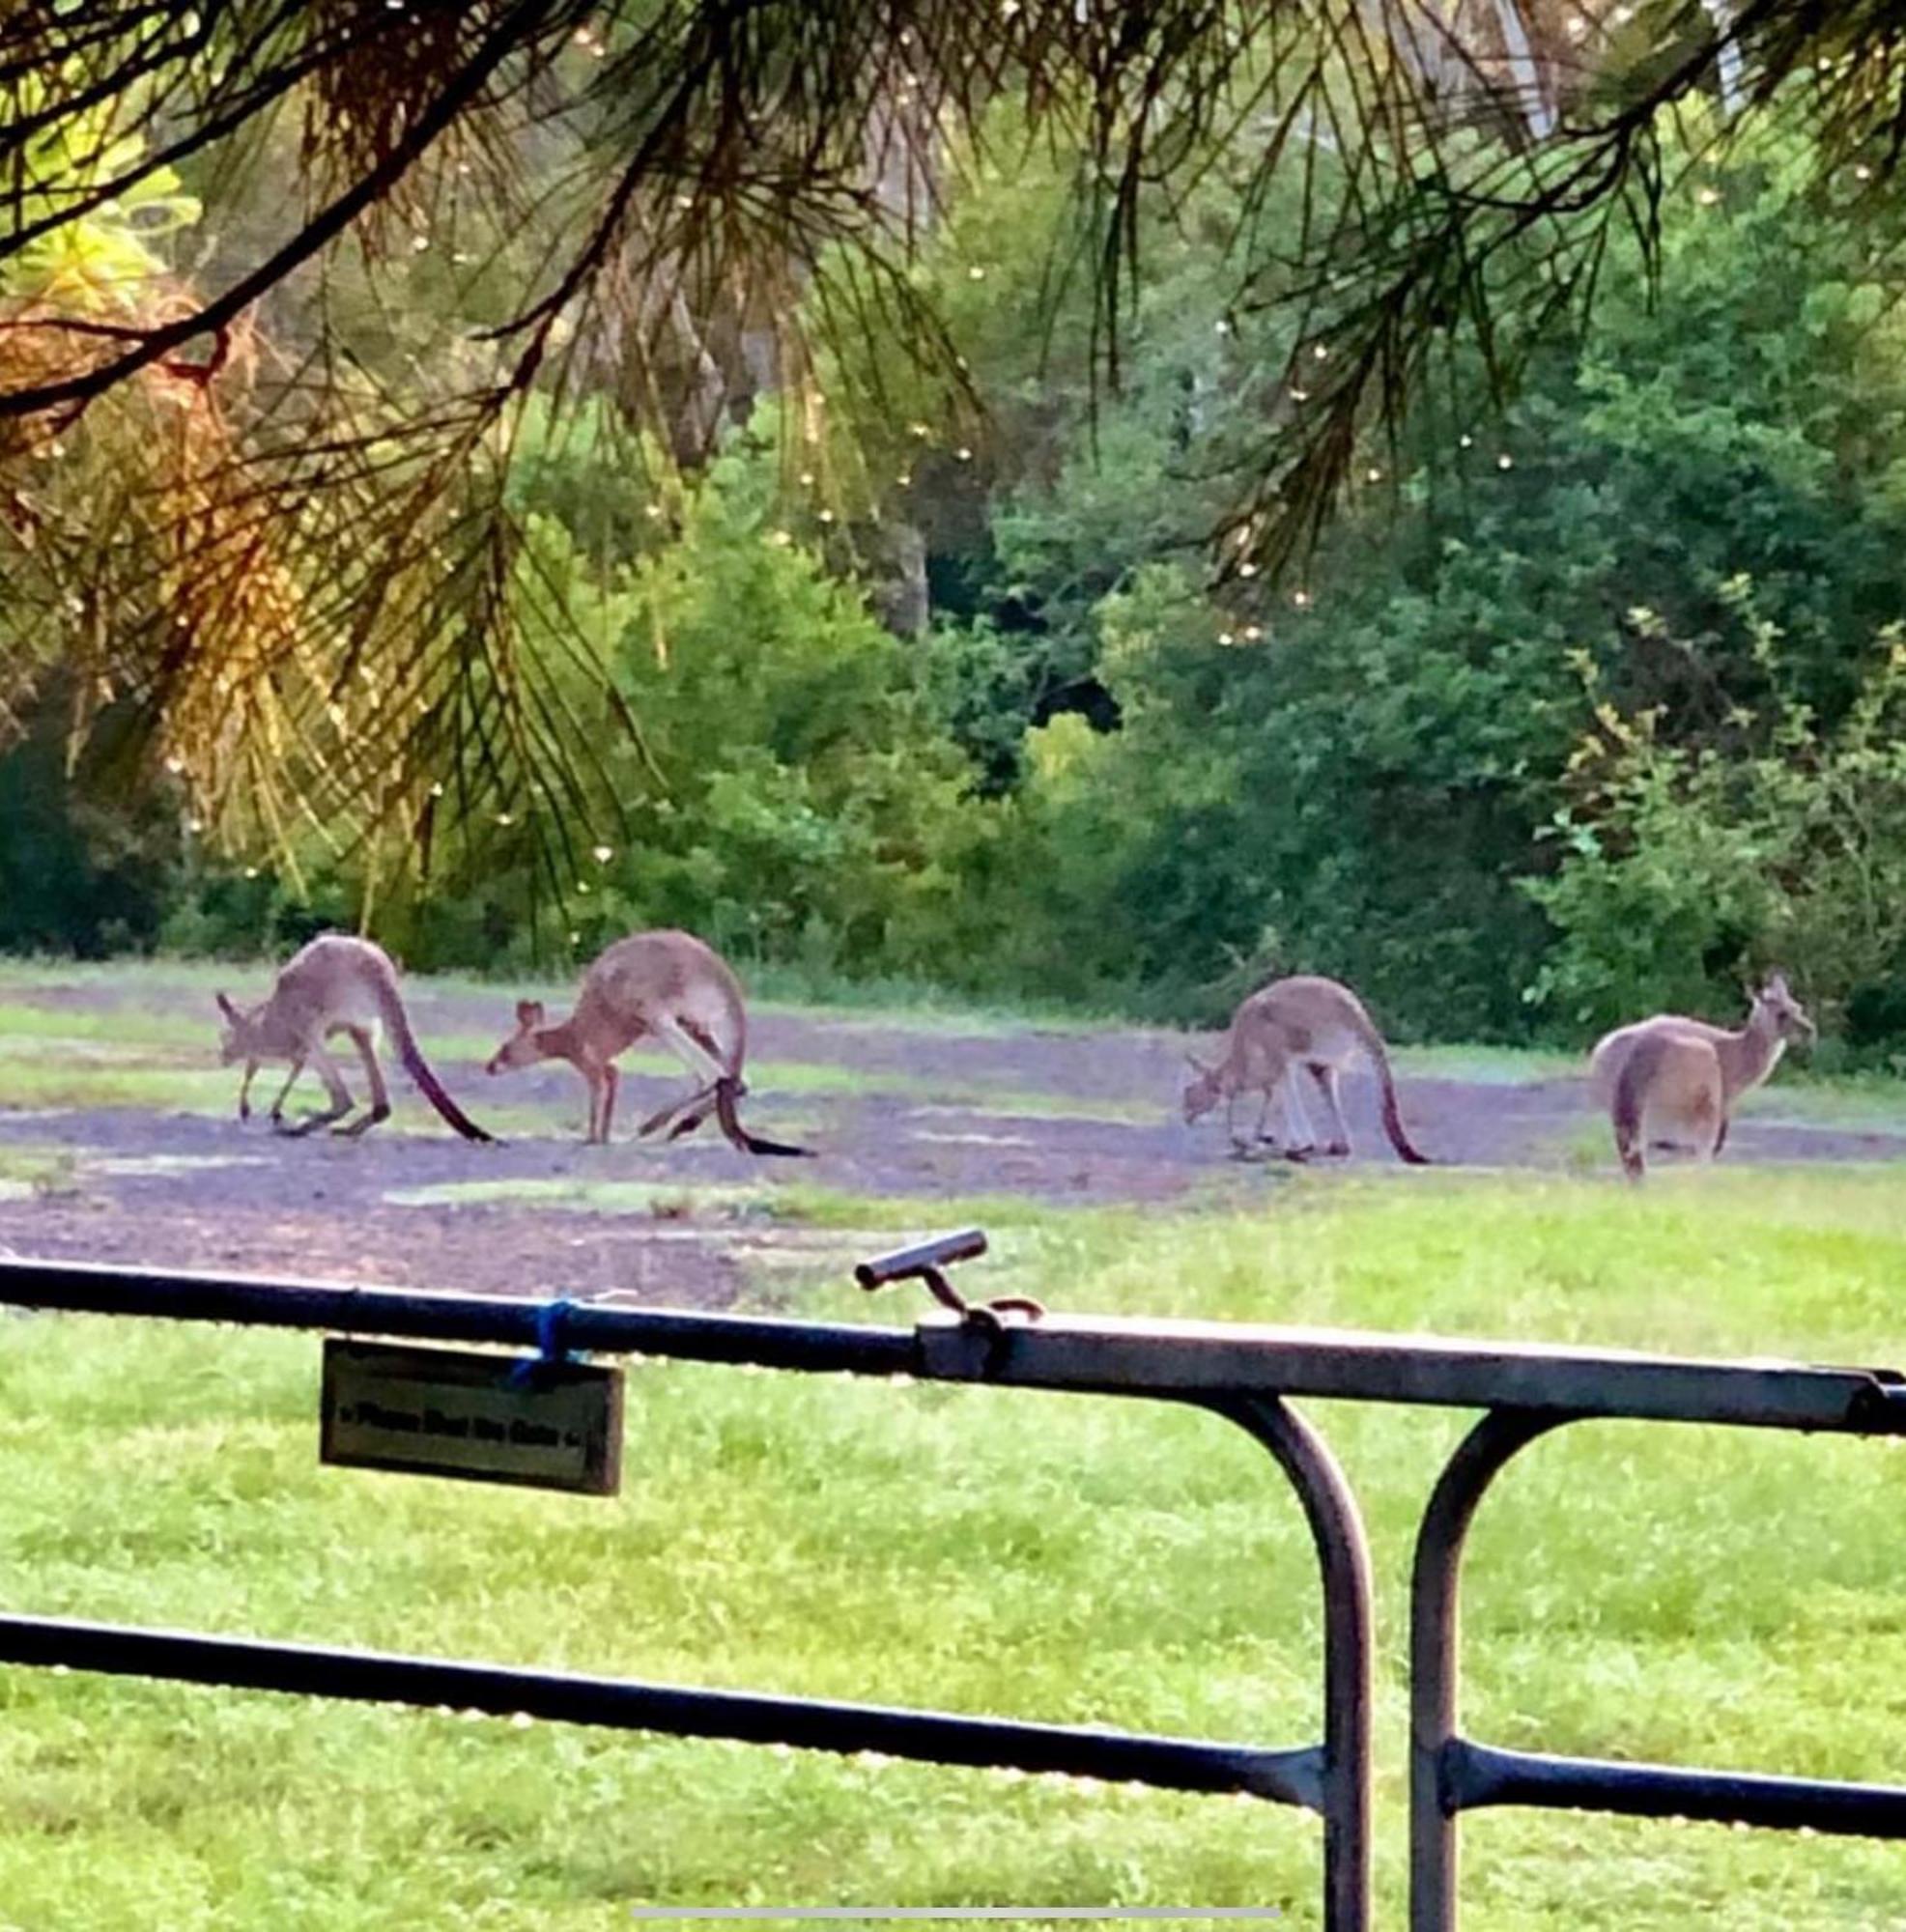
(1241, 1372)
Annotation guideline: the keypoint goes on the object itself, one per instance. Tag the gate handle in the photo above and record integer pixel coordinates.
(927, 1262)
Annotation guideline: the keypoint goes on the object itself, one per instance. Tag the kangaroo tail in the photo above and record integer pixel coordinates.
(724, 1112)
(1380, 1059)
(397, 1023)
(1631, 1083)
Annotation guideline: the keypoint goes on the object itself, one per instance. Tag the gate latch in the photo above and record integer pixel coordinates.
(928, 1263)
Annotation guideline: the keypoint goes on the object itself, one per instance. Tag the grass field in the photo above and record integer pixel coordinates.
(1679, 1594)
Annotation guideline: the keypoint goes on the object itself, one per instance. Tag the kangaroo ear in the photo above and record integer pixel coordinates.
(528, 1012)
(226, 1007)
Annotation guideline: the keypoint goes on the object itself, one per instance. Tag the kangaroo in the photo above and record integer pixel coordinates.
(335, 985)
(1316, 1024)
(666, 985)
(1681, 1075)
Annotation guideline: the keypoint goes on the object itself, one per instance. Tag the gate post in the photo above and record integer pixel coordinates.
(1435, 1653)
(1343, 1557)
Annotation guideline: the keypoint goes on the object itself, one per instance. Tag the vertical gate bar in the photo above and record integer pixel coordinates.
(1436, 1651)
(1343, 1554)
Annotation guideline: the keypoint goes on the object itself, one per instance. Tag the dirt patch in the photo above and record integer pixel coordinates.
(483, 1251)
(909, 1116)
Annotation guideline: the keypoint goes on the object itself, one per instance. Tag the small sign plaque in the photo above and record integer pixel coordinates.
(487, 1419)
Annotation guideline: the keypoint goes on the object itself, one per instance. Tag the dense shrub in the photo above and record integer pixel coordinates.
(80, 870)
(1682, 868)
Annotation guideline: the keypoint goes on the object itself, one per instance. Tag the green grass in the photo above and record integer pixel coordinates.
(1859, 1100)
(34, 1083)
(37, 1085)
(1796, 1094)
(28, 1171)
(918, 1004)
(26, 1028)
(140, 1056)
(1006, 1103)
(659, 1200)
(1506, 1065)
(45, 1070)
(1666, 1593)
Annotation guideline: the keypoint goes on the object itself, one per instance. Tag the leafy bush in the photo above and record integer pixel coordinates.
(1686, 869)
(80, 870)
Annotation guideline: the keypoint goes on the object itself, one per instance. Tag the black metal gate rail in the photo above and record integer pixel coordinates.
(1527, 1392)
(1240, 1373)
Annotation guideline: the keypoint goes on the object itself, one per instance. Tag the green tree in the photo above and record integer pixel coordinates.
(714, 193)
(1360, 779)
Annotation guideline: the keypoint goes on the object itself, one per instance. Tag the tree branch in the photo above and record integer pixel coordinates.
(517, 28)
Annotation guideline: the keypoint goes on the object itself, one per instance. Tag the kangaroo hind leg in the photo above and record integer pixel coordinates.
(341, 1101)
(1324, 1076)
(1711, 1126)
(379, 1109)
(681, 1116)
(690, 1046)
(1299, 1142)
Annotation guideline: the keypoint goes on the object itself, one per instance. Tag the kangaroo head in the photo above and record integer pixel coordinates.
(1202, 1093)
(520, 1049)
(1776, 1003)
(238, 1040)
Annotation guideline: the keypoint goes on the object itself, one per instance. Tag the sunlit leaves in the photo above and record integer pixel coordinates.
(680, 205)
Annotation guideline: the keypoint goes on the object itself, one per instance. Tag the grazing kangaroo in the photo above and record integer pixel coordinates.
(1313, 1023)
(335, 985)
(1670, 1074)
(664, 986)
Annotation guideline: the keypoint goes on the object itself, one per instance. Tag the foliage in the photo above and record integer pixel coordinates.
(104, 261)
(1358, 778)
(65, 277)
(504, 202)
(1682, 866)
(1115, 767)
(77, 874)
(787, 797)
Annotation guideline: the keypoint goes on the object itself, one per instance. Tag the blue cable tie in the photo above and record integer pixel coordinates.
(547, 1316)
